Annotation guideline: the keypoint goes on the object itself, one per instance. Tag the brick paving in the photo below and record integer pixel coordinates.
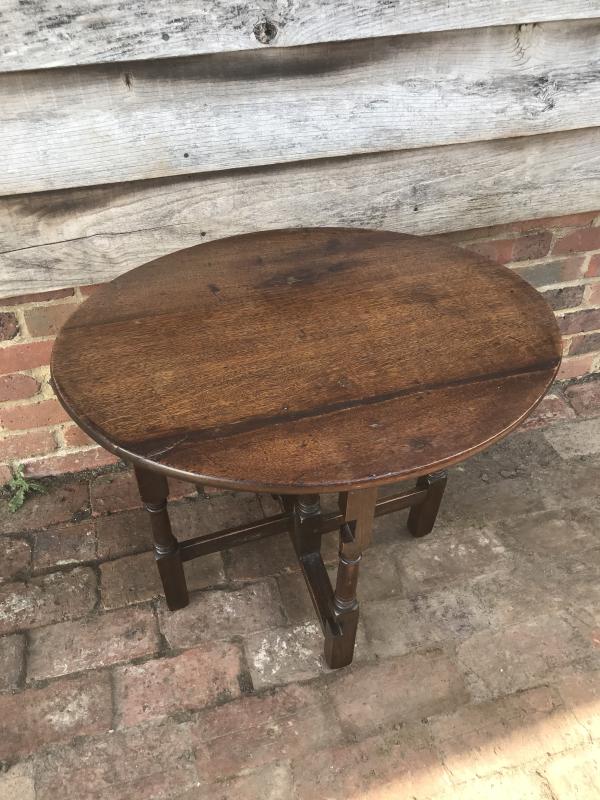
(477, 670)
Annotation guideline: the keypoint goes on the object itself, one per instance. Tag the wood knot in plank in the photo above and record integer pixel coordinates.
(265, 31)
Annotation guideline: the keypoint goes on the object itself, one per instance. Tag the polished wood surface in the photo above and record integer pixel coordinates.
(292, 361)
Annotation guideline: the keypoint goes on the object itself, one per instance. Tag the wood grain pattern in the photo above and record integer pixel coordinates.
(45, 33)
(306, 360)
(114, 123)
(80, 236)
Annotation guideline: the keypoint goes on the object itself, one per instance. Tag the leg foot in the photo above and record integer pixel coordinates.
(421, 518)
(339, 642)
(154, 491)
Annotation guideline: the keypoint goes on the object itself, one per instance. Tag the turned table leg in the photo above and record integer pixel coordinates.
(154, 490)
(358, 508)
(421, 518)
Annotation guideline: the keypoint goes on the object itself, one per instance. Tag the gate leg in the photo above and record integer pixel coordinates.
(358, 508)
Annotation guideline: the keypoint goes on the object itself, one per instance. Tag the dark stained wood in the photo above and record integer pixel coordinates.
(422, 516)
(344, 598)
(306, 530)
(320, 591)
(358, 508)
(306, 535)
(154, 491)
(337, 610)
(305, 361)
(396, 502)
(283, 523)
(308, 360)
(232, 537)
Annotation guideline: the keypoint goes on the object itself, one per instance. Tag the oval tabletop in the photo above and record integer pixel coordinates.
(322, 359)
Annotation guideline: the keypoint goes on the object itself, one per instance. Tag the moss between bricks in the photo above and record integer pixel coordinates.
(19, 488)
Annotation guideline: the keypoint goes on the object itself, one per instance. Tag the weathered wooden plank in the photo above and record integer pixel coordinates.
(48, 33)
(80, 236)
(97, 125)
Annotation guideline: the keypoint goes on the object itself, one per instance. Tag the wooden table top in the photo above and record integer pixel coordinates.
(306, 360)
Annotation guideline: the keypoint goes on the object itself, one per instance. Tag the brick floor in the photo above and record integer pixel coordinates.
(477, 671)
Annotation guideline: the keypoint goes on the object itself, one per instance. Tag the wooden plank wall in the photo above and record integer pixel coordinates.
(125, 136)
(38, 34)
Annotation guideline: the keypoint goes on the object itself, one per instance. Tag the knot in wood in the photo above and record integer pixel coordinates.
(265, 31)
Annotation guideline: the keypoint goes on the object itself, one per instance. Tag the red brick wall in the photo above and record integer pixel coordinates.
(560, 257)
(34, 429)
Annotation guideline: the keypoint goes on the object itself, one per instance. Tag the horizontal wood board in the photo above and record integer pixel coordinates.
(113, 123)
(58, 239)
(49, 33)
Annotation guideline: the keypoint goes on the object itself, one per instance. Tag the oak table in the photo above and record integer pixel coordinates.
(300, 362)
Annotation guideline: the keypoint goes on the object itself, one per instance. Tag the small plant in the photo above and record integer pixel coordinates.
(19, 487)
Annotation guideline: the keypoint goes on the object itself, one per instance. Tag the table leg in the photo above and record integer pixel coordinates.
(421, 517)
(154, 490)
(306, 535)
(358, 508)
